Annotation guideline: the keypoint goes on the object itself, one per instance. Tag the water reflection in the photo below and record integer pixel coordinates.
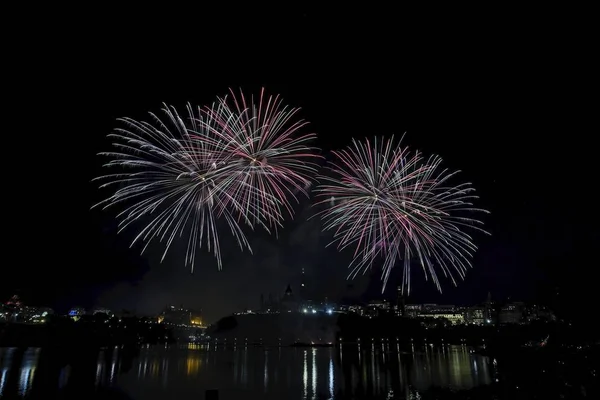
(48, 373)
(17, 371)
(6, 356)
(272, 373)
(28, 367)
(307, 373)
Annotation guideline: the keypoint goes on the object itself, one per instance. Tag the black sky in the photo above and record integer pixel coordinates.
(502, 97)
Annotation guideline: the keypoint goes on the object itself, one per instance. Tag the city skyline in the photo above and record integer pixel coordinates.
(288, 301)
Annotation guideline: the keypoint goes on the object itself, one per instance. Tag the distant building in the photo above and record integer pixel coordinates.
(174, 315)
(377, 307)
(511, 313)
(14, 302)
(196, 319)
(489, 314)
(40, 315)
(356, 309)
(536, 313)
(380, 304)
(102, 310)
(453, 318)
(475, 315)
(289, 302)
(76, 313)
(413, 310)
(400, 306)
(181, 316)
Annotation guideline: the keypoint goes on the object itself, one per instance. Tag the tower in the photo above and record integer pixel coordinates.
(400, 302)
(488, 309)
(288, 302)
(288, 292)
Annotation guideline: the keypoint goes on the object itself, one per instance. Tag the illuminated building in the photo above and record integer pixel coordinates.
(177, 316)
(413, 310)
(39, 315)
(377, 307)
(400, 306)
(360, 310)
(489, 310)
(76, 313)
(380, 304)
(511, 313)
(14, 302)
(475, 315)
(196, 320)
(101, 310)
(180, 316)
(454, 318)
(287, 303)
(535, 312)
(187, 325)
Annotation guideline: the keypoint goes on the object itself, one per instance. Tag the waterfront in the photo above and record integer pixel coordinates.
(186, 372)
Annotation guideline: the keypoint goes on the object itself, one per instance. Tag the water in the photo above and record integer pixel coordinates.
(186, 372)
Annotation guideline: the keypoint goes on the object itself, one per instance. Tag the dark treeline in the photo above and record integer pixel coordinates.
(96, 331)
(353, 327)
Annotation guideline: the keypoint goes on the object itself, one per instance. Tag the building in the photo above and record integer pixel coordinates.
(196, 319)
(174, 315)
(475, 315)
(413, 310)
(453, 318)
(489, 314)
(511, 313)
(536, 313)
(102, 310)
(380, 304)
(181, 316)
(400, 306)
(356, 309)
(377, 307)
(76, 313)
(289, 302)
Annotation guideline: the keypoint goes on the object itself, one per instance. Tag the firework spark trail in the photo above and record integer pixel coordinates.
(234, 160)
(171, 172)
(391, 204)
(271, 162)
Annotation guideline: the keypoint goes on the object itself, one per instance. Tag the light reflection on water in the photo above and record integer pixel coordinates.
(305, 373)
(28, 367)
(22, 375)
(185, 372)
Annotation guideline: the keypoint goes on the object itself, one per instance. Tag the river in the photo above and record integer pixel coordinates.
(188, 371)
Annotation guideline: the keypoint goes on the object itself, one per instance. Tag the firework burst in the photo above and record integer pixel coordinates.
(237, 160)
(392, 204)
(170, 174)
(271, 163)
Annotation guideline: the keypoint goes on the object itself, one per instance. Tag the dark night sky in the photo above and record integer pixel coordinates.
(502, 99)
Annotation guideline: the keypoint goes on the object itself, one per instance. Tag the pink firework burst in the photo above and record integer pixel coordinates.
(389, 203)
(270, 160)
